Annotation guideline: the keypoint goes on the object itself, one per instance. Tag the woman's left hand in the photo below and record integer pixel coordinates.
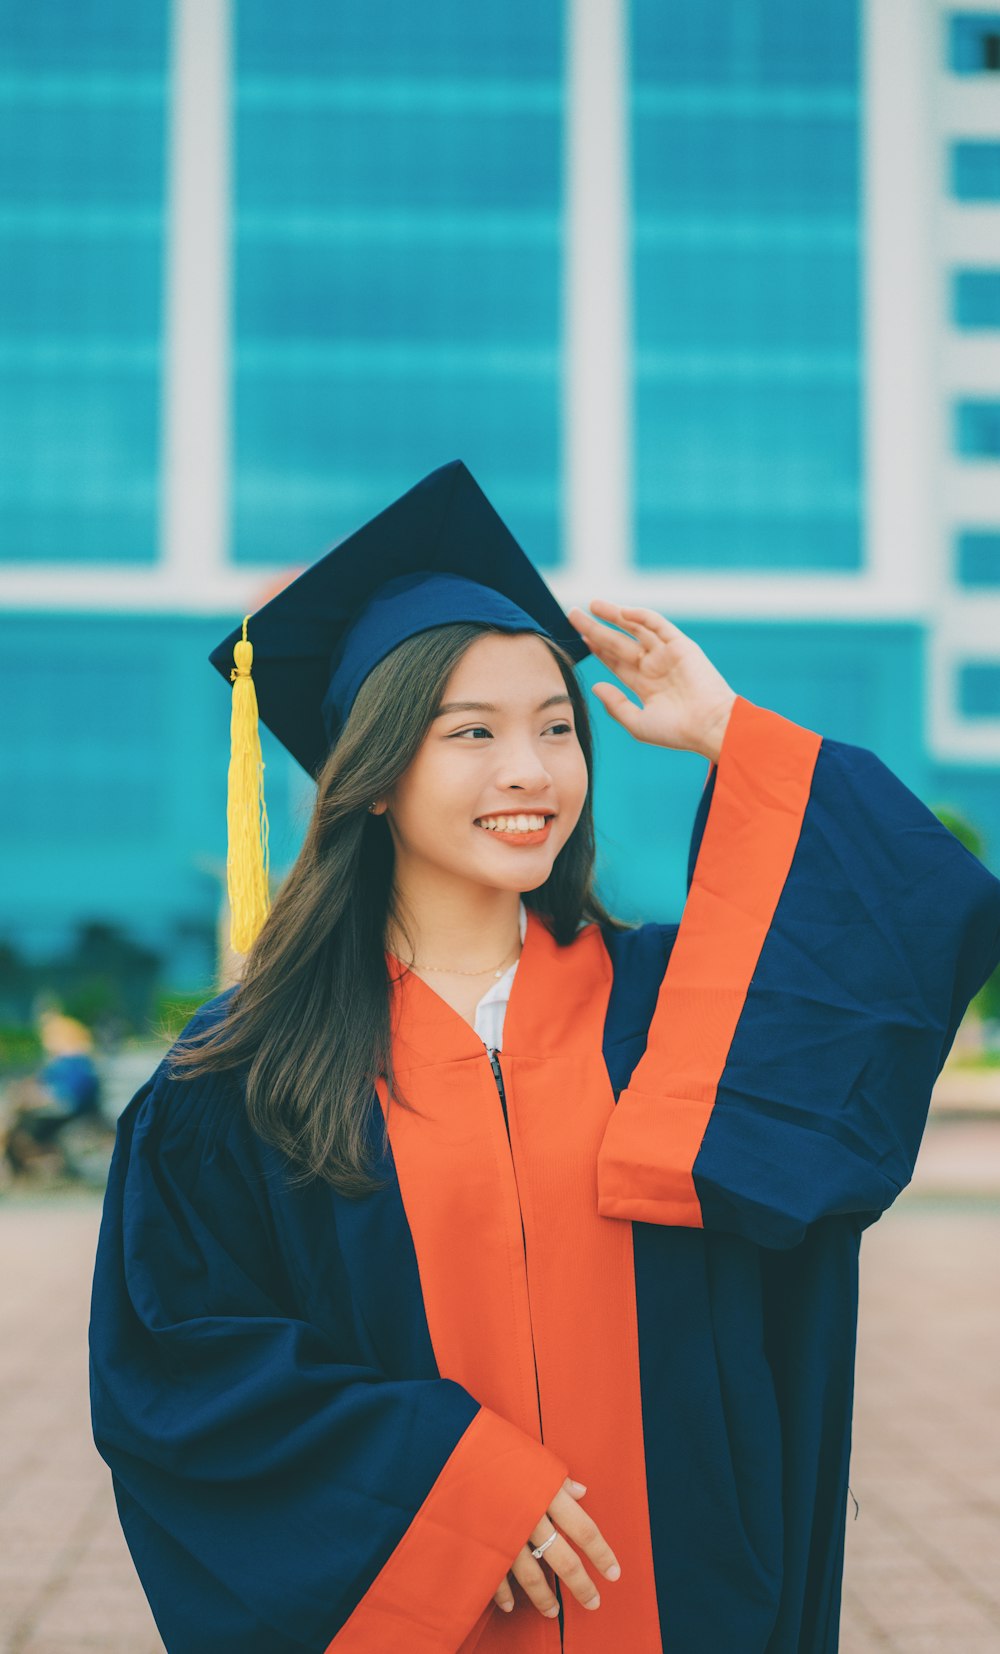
(685, 702)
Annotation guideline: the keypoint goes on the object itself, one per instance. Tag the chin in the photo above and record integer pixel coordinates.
(516, 878)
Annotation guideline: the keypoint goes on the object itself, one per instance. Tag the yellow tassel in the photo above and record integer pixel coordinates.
(248, 859)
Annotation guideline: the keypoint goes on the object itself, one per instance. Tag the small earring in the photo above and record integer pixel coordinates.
(373, 809)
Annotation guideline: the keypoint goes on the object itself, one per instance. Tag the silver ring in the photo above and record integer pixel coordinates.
(545, 1543)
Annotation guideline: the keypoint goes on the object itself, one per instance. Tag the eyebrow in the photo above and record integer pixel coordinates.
(487, 706)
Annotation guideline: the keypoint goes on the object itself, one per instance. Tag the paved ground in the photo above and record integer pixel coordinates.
(923, 1555)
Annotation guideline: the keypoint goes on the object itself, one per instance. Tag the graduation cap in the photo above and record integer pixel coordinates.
(438, 554)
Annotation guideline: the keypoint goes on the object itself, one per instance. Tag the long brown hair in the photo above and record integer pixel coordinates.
(309, 1020)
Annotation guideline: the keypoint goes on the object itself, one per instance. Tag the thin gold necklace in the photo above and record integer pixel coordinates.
(496, 969)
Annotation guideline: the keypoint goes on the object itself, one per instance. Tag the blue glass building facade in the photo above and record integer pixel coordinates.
(397, 206)
(82, 224)
(398, 200)
(747, 239)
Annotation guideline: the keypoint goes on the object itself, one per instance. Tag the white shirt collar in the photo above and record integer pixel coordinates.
(490, 1009)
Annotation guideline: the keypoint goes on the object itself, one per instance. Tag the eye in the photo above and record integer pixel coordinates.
(480, 729)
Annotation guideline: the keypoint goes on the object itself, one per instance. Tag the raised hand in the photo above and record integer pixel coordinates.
(565, 1514)
(684, 701)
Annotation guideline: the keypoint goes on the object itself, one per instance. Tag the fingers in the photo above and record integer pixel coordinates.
(620, 707)
(613, 647)
(648, 625)
(652, 646)
(644, 635)
(563, 1560)
(561, 1556)
(639, 622)
(585, 1534)
(503, 1596)
(531, 1576)
(631, 616)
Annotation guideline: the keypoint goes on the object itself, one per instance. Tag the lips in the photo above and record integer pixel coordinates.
(515, 821)
(516, 836)
(500, 815)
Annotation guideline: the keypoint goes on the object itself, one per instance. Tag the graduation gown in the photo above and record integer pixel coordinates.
(624, 1249)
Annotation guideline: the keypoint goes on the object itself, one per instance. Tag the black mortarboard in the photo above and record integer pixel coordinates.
(439, 553)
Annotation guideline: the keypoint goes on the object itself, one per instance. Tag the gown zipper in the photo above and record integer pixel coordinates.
(498, 1077)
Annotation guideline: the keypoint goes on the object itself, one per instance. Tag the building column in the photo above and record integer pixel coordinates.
(195, 497)
(597, 378)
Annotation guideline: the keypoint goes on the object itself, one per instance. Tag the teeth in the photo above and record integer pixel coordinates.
(511, 824)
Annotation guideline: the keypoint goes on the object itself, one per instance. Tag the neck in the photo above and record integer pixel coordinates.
(462, 930)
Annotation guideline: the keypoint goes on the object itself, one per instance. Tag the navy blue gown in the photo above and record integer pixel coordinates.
(625, 1249)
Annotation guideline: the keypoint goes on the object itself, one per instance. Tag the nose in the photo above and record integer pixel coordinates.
(523, 769)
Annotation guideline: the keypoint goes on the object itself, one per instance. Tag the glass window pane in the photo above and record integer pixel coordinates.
(977, 429)
(978, 557)
(397, 277)
(385, 38)
(979, 689)
(112, 769)
(976, 298)
(82, 179)
(101, 36)
(747, 285)
(321, 451)
(79, 475)
(765, 43)
(974, 43)
(975, 170)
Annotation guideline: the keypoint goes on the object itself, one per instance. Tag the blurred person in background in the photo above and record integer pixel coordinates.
(66, 1089)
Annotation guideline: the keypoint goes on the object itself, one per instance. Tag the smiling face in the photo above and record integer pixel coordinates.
(499, 780)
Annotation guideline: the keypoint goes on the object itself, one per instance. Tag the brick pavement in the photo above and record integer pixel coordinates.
(922, 1574)
(922, 1571)
(66, 1580)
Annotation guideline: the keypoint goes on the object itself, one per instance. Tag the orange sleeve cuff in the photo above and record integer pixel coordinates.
(440, 1578)
(645, 1164)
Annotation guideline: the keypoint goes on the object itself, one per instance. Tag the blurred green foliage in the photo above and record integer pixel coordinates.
(174, 1010)
(106, 979)
(20, 1047)
(986, 1003)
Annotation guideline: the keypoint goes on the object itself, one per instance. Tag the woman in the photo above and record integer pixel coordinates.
(556, 1350)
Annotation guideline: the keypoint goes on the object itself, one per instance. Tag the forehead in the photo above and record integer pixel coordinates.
(512, 673)
(504, 659)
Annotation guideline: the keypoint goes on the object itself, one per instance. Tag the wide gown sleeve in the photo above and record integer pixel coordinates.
(274, 1495)
(833, 936)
